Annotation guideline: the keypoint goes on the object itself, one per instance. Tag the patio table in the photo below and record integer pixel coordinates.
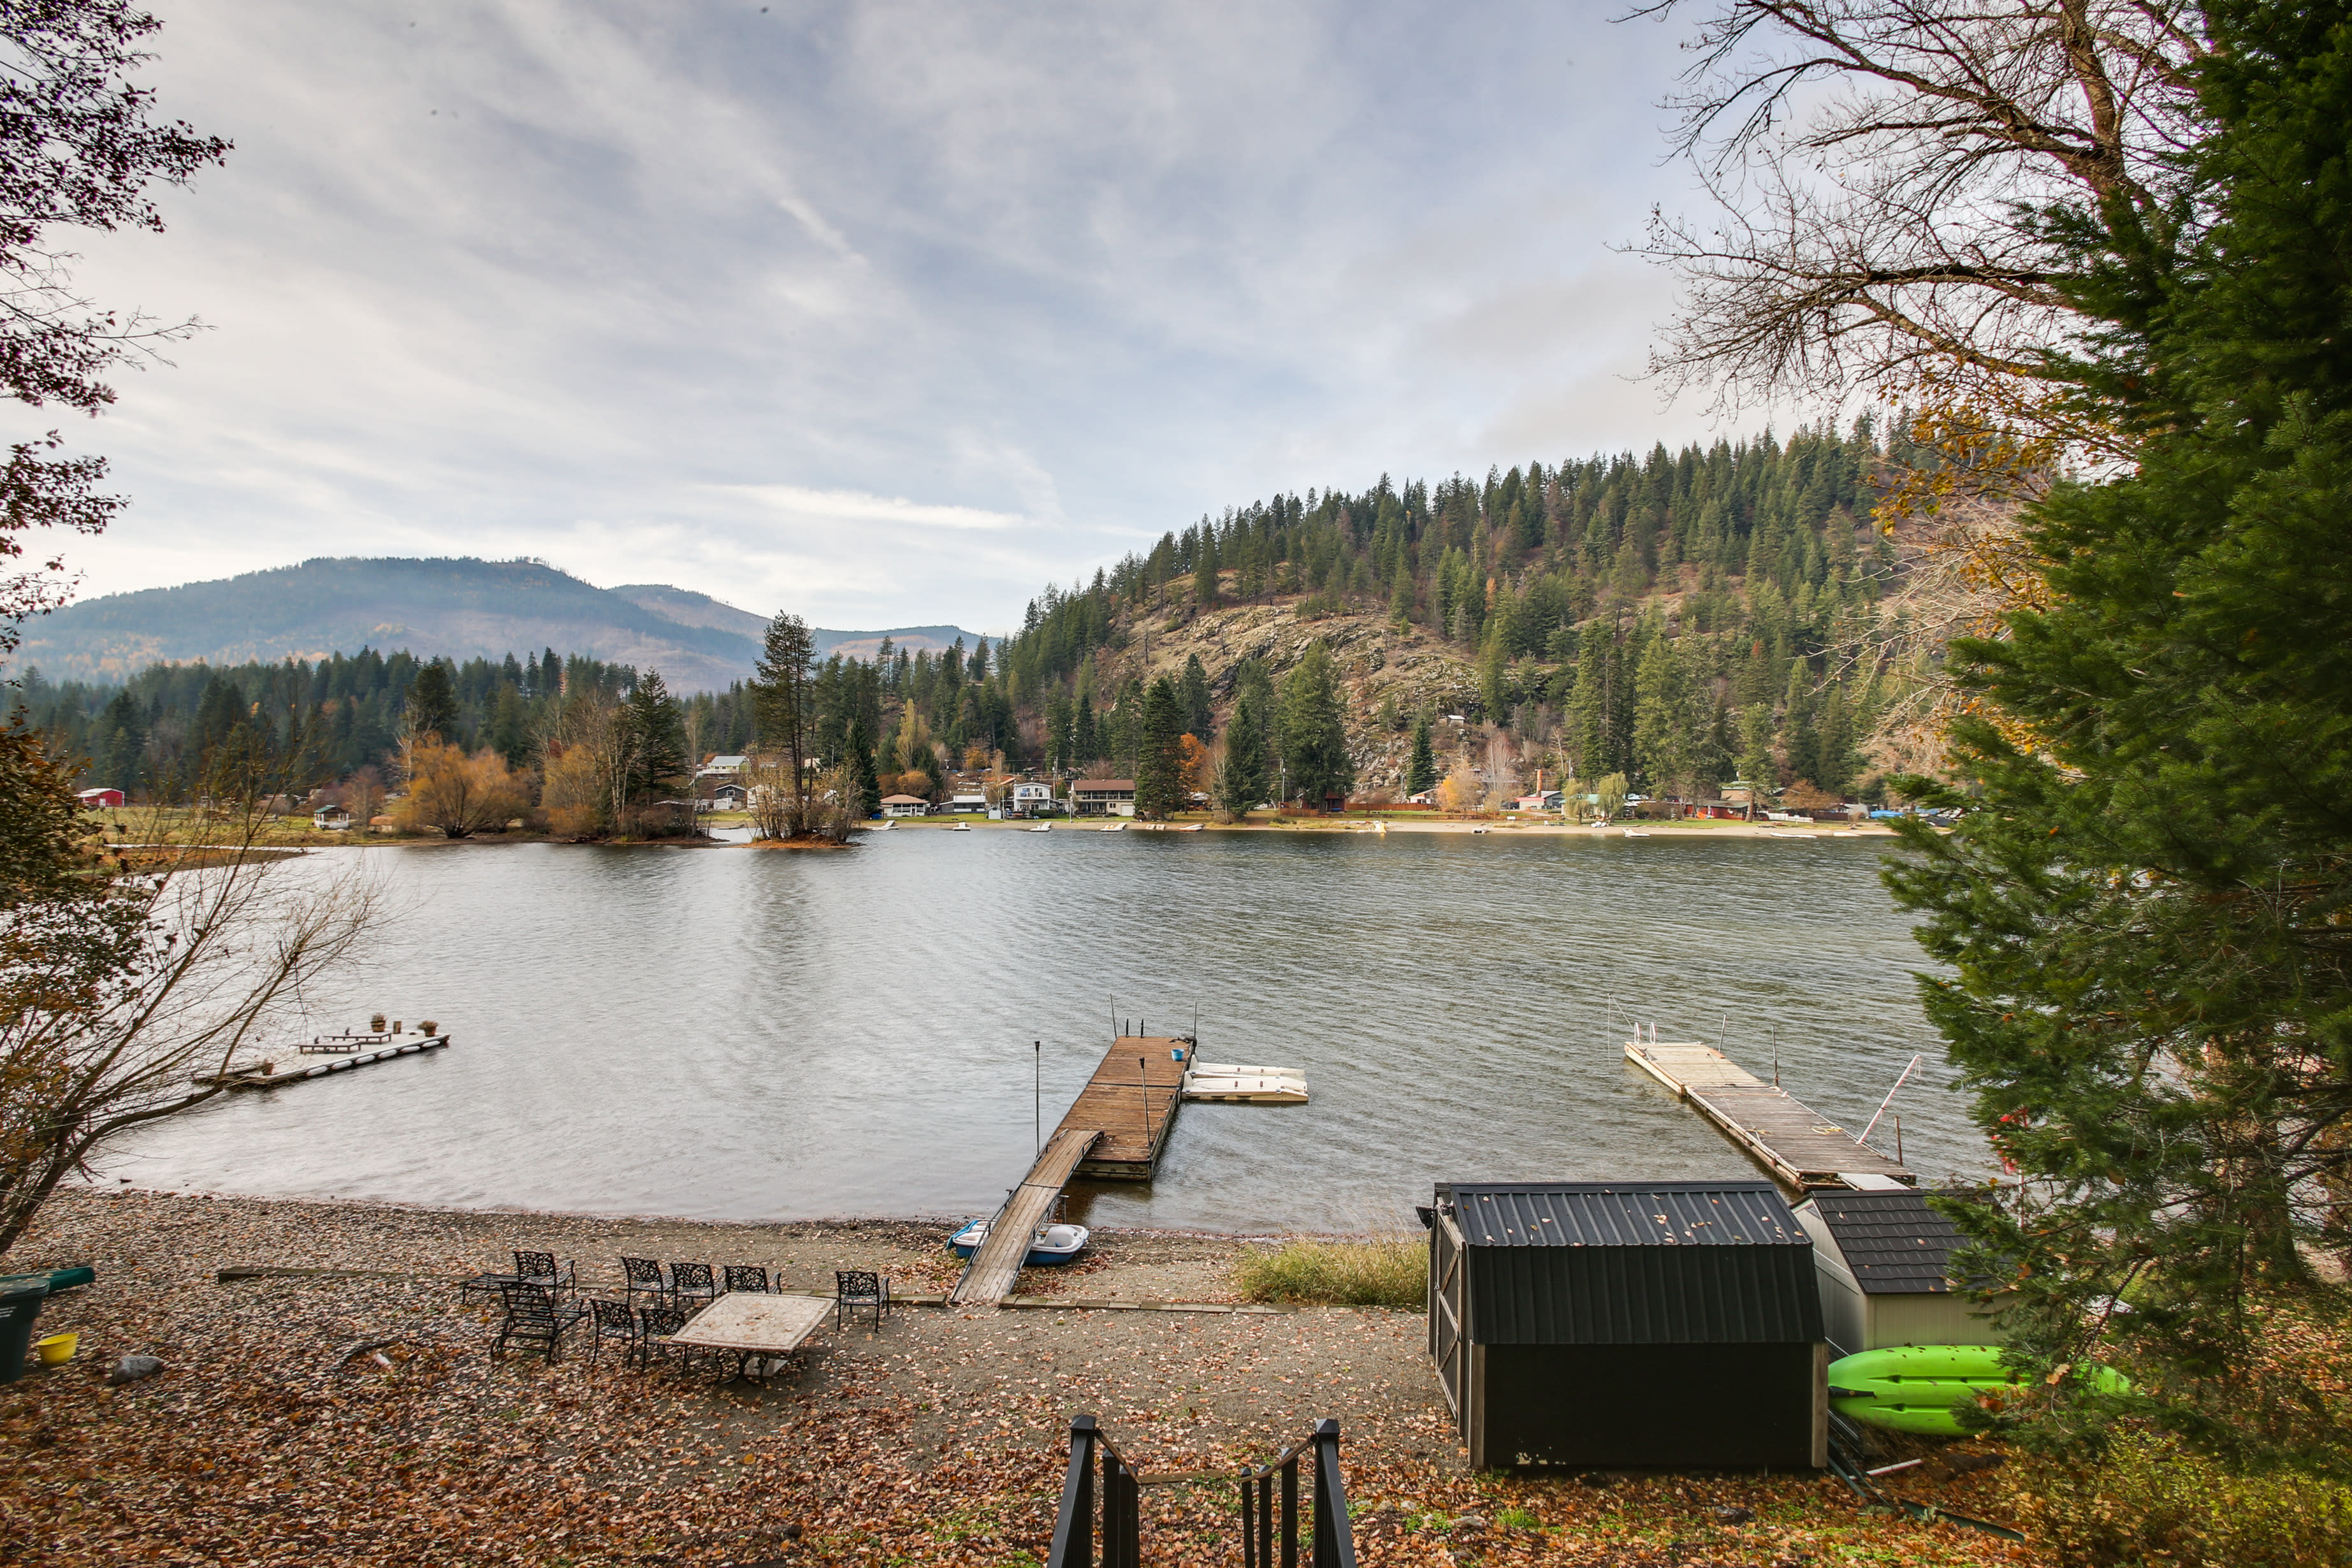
(754, 1327)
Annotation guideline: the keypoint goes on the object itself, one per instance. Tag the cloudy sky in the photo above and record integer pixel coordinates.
(883, 313)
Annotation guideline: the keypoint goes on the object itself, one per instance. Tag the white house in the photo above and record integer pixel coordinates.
(331, 820)
(905, 805)
(1103, 797)
(968, 800)
(1026, 799)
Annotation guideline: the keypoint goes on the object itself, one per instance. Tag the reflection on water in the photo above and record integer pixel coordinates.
(747, 1034)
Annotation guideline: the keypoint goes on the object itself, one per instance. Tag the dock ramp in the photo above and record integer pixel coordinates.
(996, 1263)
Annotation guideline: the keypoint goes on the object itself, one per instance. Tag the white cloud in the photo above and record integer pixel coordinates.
(775, 304)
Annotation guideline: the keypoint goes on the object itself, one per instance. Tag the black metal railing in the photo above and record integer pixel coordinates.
(1108, 1508)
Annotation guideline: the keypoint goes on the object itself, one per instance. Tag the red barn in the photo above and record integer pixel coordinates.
(99, 799)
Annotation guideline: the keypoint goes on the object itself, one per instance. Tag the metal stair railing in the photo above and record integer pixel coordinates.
(1269, 1504)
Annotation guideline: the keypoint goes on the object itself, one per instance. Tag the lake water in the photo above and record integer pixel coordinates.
(748, 1034)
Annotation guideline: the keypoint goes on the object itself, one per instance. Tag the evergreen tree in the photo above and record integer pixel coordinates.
(1756, 765)
(1200, 712)
(861, 759)
(1494, 692)
(782, 686)
(1242, 782)
(1799, 738)
(508, 730)
(433, 703)
(1204, 570)
(1421, 769)
(2144, 978)
(653, 728)
(1314, 730)
(1084, 746)
(1662, 718)
(1159, 753)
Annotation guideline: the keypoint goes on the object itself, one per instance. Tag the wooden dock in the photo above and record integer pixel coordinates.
(1802, 1149)
(1132, 1100)
(988, 1278)
(249, 1075)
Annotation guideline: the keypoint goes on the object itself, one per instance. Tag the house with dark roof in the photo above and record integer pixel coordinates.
(1882, 1259)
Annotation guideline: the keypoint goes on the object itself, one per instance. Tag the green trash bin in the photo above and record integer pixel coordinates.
(21, 1296)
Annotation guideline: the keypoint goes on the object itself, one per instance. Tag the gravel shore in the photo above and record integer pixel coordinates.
(938, 1439)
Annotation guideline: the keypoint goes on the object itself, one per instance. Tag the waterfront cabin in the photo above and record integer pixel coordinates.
(731, 765)
(905, 805)
(332, 819)
(1028, 799)
(99, 799)
(1882, 1260)
(968, 800)
(1601, 1324)
(1543, 800)
(1103, 797)
(730, 797)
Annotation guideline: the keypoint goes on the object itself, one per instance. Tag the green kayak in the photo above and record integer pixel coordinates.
(1913, 1388)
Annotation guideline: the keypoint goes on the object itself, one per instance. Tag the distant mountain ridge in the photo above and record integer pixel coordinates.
(458, 606)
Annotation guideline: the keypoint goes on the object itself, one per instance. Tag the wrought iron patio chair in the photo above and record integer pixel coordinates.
(536, 1315)
(540, 1269)
(654, 1326)
(745, 1277)
(856, 1288)
(644, 1276)
(692, 1282)
(613, 1320)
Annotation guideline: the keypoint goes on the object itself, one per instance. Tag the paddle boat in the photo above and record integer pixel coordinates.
(961, 827)
(1053, 1244)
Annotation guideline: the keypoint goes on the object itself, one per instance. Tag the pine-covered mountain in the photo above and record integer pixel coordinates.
(456, 608)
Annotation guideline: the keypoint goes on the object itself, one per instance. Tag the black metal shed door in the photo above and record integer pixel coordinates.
(1448, 1345)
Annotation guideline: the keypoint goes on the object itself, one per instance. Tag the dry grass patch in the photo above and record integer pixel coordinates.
(1392, 1271)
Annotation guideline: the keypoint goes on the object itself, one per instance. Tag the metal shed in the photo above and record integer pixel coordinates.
(1881, 1258)
(1627, 1323)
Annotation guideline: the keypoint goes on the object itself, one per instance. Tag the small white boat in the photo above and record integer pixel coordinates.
(1112, 827)
(961, 827)
(1053, 1244)
(1482, 830)
(1043, 828)
(1637, 833)
(884, 828)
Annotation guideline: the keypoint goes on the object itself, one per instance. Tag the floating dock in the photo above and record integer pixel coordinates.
(1132, 1101)
(1802, 1149)
(315, 1063)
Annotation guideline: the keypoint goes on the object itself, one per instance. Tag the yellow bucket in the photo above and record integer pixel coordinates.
(57, 1349)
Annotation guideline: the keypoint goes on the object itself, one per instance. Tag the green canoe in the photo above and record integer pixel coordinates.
(1913, 1388)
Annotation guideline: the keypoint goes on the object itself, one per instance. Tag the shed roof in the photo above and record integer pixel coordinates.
(1893, 1242)
(1093, 786)
(1624, 1214)
(903, 800)
(1566, 1263)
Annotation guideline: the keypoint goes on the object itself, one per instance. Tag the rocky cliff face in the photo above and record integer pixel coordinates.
(1417, 669)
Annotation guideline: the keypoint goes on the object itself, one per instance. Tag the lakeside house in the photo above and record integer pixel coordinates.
(964, 800)
(331, 820)
(729, 796)
(905, 805)
(716, 765)
(1543, 800)
(99, 799)
(1103, 797)
(1026, 799)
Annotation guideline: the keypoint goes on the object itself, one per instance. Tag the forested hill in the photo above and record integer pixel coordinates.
(457, 609)
(1683, 618)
